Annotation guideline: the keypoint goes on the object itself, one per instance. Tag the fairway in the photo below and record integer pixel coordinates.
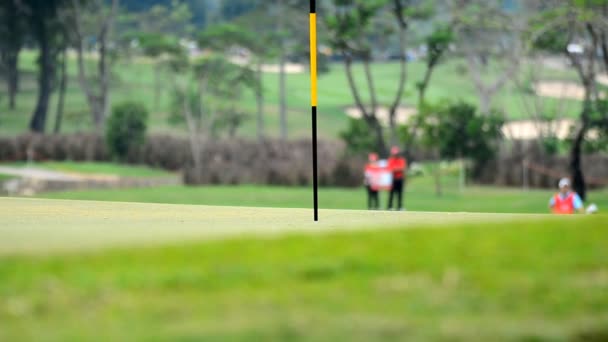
(33, 225)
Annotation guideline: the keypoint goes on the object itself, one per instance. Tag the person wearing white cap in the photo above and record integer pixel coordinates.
(566, 202)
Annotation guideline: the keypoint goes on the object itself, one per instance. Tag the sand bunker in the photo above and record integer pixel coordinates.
(513, 130)
(290, 68)
(402, 116)
(565, 90)
(560, 90)
(530, 129)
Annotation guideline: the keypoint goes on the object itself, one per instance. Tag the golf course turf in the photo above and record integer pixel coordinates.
(75, 270)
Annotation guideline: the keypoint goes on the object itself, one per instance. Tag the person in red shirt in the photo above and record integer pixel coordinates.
(373, 201)
(397, 164)
(566, 202)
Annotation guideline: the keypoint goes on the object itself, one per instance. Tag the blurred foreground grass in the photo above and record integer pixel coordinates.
(530, 280)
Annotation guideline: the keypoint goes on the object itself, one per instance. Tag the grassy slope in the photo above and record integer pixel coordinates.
(420, 196)
(523, 280)
(96, 168)
(135, 81)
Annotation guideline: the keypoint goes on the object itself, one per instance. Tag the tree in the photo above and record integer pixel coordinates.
(160, 30)
(12, 37)
(63, 84)
(92, 18)
(457, 131)
(490, 38)
(437, 44)
(579, 30)
(46, 30)
(587, 27)
(351, 25)
(159, 47)
(287, 34)
(206, 97)
(226, 37)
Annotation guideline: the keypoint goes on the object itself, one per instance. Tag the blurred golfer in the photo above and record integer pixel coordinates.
(397, 165)
(373, 201)
(566, 202)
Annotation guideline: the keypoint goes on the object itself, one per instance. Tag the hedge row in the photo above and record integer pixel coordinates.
(224, 162)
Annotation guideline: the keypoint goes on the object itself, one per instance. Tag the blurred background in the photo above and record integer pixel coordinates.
(487, 99)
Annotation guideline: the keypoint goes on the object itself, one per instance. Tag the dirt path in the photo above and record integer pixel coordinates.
(48, 175)
(30, 181)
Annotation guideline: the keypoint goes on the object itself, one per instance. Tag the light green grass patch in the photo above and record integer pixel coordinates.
(420, 196)
(39, 225)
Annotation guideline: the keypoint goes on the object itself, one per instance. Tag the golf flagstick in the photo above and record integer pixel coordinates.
(313, 100)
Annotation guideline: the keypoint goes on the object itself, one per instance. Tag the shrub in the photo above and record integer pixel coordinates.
(358, 137)
(456, 130)
(126, 129)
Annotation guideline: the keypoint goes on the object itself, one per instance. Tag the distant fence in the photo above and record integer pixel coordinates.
(234, 161)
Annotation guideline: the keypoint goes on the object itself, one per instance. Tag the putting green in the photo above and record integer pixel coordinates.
(43, 226)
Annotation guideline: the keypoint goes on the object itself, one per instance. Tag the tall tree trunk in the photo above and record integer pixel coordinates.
(259, 98)
(97, 97)
(576, 167)
(13, 44)
(63, 83)
(485, 101)
(103, 98)
(370, 118)
(282, 76)
(12, 66)
(38, 121)
(283, 96)
(156, 85)
(437, 175)
(403, 25)
(371, 87)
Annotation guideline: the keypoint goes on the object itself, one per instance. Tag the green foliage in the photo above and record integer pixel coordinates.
(210, 94)
(173, 19)
(438, 42)
(350, 24)
(156, 44)
(457, 131)
(126, 128)
(225, 36)
(358, 137)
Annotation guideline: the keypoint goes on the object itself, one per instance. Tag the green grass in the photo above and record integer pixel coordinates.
(4, 178)
(420, 196)
(495, 278)
(96, 168)
(134, 80)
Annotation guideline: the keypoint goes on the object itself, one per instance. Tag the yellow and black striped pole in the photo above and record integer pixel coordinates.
(313, 100)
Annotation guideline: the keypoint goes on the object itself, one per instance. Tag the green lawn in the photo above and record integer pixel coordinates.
(420, 196)
(96, 168)
(134, 80)
(4, 178)
(498, 278)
